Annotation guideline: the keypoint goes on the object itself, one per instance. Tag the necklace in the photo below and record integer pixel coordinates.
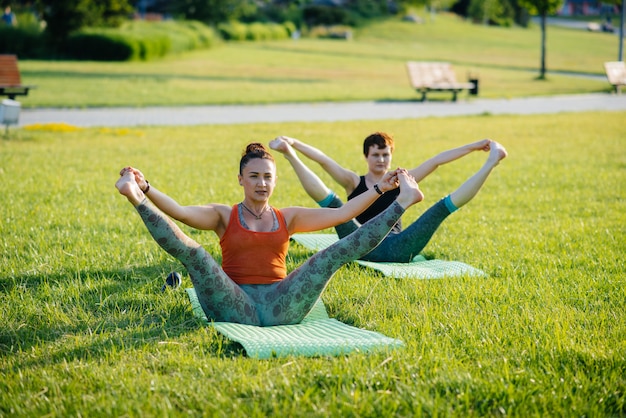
(257, 217)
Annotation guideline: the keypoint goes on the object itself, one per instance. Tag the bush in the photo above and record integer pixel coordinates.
(182, 35)
(257, 32)
(139, 40)
(103, 46)
(203, 34)
(278, 31)
(269, 31)
(237, 31)
(233, 31)
(24, 43)
(154, 47)
(290, 27)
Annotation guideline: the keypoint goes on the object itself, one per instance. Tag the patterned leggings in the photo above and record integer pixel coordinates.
(280, 303)
(400, 247)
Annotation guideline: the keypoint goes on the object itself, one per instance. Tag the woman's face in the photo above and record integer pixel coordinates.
(258, 179)
(379, 160)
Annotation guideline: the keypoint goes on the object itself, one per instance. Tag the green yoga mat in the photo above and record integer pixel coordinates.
(418, 268)
(317, 335)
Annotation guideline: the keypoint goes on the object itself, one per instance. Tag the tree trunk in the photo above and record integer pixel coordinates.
(542, 71)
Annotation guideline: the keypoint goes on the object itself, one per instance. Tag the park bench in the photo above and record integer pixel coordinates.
(10, 83)
(436, 76)
(616, 73)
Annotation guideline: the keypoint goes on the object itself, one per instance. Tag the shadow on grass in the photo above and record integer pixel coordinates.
(376, 56)
(91, 314)
(162, 78)
(439, 97)
(114, 310)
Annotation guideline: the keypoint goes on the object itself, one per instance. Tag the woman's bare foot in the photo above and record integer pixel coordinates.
(281, 144)
(410, 192)
(496, 153)
(128, 187)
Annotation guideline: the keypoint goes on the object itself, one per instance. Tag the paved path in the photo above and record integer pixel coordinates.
(236, 114)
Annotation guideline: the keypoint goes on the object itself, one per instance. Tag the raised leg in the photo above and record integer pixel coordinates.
(220, 297)
(470, 188)
(313, 185)
(290, 300)
(404, 246)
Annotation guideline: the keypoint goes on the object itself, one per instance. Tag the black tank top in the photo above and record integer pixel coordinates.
(378, 206)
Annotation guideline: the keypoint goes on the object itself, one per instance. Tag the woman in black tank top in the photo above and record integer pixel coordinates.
(404, 245)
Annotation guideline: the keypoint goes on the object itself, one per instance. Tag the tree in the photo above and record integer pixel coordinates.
(65, 16)
(504, 13)
(490, 12)
(215, 11)
(542, 8)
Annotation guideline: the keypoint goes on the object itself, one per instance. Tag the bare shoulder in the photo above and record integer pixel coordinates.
(221, 209)
(290, 213)
(352, 181)
(211, 213)
(302, 219)
(216, 217)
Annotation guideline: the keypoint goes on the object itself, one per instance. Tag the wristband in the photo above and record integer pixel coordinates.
(147, 189)
(378, 189)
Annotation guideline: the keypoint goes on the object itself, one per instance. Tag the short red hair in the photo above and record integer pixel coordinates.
(379, 139)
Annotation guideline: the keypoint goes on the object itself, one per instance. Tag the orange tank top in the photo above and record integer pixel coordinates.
(250, 257)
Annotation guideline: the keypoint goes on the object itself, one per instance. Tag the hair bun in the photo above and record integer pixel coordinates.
(255, 147)
(253, 151)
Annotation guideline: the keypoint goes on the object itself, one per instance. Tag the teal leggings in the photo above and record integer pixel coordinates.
(280, 303)
(403, 246)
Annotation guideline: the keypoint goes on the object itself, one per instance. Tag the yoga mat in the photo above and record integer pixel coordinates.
(418, 268)
(317, 335)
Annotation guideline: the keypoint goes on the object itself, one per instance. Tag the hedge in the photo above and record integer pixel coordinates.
(237, 31)
(137, 40)
(24, 43)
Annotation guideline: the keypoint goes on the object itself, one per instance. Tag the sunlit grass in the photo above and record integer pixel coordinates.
(370, 67)
(86, 330)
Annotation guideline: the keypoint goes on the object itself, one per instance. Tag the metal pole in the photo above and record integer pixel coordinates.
(621, 34)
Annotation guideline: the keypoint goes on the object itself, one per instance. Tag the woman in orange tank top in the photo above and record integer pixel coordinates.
(252, 285)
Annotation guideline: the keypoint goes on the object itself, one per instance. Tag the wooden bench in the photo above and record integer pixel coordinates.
(10, 83)
(616, 73)
(435, 76)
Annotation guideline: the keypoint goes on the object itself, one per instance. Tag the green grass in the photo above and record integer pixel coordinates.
(87, 332)
(371, 67)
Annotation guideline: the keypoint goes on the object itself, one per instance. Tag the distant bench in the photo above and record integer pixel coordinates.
(10, 82)
(436, 76)
(616, 73)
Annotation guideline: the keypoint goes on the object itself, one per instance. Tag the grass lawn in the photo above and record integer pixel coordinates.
(86, 330)
(370, 67)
